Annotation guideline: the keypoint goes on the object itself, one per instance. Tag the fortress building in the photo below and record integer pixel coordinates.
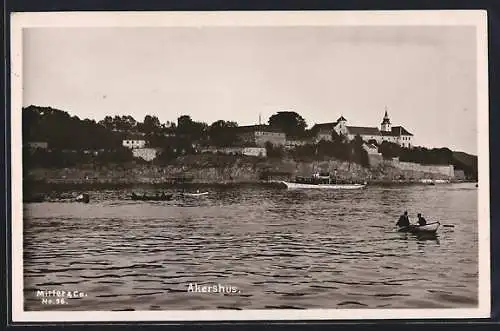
(259, 135)
(394, 134)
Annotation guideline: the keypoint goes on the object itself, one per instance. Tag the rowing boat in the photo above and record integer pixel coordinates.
(162, 197)
(197, 194)
(428, 228)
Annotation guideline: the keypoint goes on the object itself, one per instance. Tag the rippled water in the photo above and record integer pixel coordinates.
(279, 248)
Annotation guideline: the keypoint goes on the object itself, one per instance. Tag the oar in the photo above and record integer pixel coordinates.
(445, 225)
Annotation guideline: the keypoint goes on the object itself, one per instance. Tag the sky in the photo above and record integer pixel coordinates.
(425, 76)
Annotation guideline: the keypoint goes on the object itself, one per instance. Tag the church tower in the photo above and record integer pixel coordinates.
(340, 127)
(386, 123)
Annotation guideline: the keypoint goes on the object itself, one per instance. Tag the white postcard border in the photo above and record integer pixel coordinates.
(475, 18)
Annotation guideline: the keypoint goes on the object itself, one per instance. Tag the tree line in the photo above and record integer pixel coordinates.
(65, 132)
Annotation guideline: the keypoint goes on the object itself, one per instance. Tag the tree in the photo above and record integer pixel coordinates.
(117, 123)
(184, 125)
(129, 123)
(120, 155)
(222, 134)
(199, 131)
(107, 122)
(193, 130)
(389, 150)
(167, 155)
(336, 136)
(306, 152)
(274, 151)
(291, 123)
(359, 154)
(61, 131)
(151, 125)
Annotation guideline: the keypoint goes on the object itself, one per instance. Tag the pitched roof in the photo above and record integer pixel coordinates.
(324, 126)
(397, 131)
(400, 131)
(341, 118)
(363, 130)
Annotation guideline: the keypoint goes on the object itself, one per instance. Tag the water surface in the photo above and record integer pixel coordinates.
(278, 248)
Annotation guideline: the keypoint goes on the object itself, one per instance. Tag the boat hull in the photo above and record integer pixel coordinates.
(428, 228)
(434, 181)
(151, 198)
(291, 185)
(195, 194)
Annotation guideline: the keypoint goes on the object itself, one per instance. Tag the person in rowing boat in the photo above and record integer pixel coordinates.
(403, 220)
(421, 220)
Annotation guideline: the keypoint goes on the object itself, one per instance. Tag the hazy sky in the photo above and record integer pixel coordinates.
(426, 76)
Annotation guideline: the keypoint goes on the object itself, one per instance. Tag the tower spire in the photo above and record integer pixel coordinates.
(386, 122)
(260, 122)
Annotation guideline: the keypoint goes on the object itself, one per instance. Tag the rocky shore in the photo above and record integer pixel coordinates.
(221, 169)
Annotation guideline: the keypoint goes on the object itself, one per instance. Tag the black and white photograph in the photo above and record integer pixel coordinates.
(250, 166)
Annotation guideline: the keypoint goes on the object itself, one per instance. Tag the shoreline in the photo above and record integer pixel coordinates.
(223, 171)
(207, 184)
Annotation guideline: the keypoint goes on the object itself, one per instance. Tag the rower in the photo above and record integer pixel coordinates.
(403, 220)
(86, 198)
(421, 220)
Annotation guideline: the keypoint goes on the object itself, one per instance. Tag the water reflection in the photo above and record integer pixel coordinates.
(421, 237)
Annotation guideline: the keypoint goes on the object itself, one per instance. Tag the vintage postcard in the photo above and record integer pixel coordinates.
(182, 166)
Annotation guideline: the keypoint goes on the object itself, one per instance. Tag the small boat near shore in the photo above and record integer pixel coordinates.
(434, 181)
(195, 194)
(83, 197)
(430, 228)
(157, 197)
